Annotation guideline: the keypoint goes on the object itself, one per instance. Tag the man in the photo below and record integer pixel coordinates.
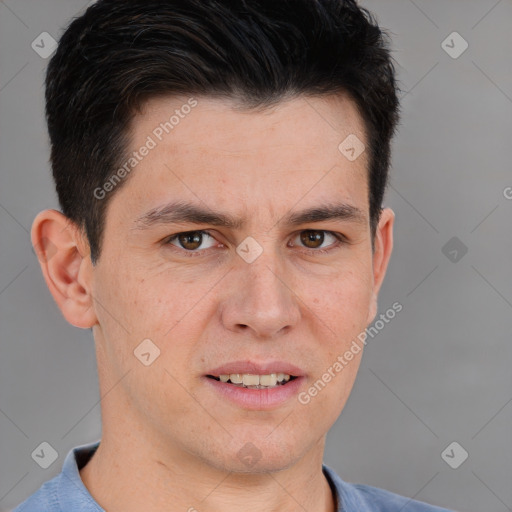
(220, 166)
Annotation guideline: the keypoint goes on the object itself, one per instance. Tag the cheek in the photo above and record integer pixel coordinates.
(343, 301)
(171, 311)
(341, 311)
(147, 302)
(130, 307)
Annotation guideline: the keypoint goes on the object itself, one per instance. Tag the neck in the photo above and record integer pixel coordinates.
(139, 478)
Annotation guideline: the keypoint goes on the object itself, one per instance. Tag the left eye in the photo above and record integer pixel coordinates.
(313, 239)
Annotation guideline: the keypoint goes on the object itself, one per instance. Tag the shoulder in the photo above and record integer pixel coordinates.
(43, 500)
(365, 498)
(385, 501)
(66, 491)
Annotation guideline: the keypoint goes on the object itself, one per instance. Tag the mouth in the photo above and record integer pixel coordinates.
(256, 385)
(253, 381)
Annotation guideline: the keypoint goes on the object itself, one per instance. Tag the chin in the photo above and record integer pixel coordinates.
(261, 455)
(263, 465)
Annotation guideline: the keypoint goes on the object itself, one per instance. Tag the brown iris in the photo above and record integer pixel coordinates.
(312, 239)
(190, 240)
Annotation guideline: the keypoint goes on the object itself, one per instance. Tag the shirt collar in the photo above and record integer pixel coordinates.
(72, 493)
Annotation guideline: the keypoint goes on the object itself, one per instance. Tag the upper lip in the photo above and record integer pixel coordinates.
(253, 368)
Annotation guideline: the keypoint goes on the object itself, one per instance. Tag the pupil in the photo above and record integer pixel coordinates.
(310, 238)
(191, 238)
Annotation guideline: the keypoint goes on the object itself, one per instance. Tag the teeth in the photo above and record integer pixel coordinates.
(268, 380)
(250, 380)
(255, 381)
(236, 378)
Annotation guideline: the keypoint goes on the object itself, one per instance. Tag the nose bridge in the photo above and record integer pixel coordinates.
(262, 300)
(264, 280)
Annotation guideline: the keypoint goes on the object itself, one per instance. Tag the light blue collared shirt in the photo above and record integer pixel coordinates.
(67, 493)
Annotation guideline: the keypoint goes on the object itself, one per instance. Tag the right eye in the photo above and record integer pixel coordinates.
(190, 241)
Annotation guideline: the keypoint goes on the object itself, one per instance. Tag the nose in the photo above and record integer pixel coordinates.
(263, 299)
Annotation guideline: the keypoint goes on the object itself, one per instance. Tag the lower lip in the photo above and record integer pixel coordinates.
(257, 399)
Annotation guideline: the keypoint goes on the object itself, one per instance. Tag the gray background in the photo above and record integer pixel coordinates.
(437, 373)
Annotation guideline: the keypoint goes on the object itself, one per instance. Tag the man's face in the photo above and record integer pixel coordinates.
(204, 300)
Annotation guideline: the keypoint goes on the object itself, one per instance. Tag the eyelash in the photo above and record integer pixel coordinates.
(341, 240)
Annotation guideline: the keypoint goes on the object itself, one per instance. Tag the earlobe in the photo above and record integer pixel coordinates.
(381, 256)
(66, 266)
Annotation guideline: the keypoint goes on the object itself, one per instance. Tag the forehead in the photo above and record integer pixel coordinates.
(212, 151)
(310, 121)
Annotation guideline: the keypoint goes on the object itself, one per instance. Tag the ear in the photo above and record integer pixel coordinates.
(382, 252)
(67, 269)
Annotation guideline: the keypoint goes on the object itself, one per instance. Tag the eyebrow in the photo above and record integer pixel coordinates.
(181, 212)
